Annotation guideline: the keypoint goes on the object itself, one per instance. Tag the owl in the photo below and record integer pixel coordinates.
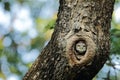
(80, 47)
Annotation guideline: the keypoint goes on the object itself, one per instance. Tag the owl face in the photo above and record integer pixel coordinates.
(80, 47)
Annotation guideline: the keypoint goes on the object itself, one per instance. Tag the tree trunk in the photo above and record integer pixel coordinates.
(79, 46)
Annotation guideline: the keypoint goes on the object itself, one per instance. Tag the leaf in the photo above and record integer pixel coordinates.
(7, 6)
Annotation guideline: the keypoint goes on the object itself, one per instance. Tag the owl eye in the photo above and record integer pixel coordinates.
(80, 47)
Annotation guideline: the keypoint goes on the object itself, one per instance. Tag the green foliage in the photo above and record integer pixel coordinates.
(22, 44)
(7, 6)
(117, 1)
(115, 41)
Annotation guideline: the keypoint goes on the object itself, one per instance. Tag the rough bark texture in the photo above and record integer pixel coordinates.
(79, 46)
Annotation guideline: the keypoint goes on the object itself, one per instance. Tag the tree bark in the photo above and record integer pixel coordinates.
(79, 45)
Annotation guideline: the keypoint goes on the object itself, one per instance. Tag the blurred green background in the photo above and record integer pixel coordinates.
(26, 27)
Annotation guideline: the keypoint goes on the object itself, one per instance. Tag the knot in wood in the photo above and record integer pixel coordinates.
(80, 47)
